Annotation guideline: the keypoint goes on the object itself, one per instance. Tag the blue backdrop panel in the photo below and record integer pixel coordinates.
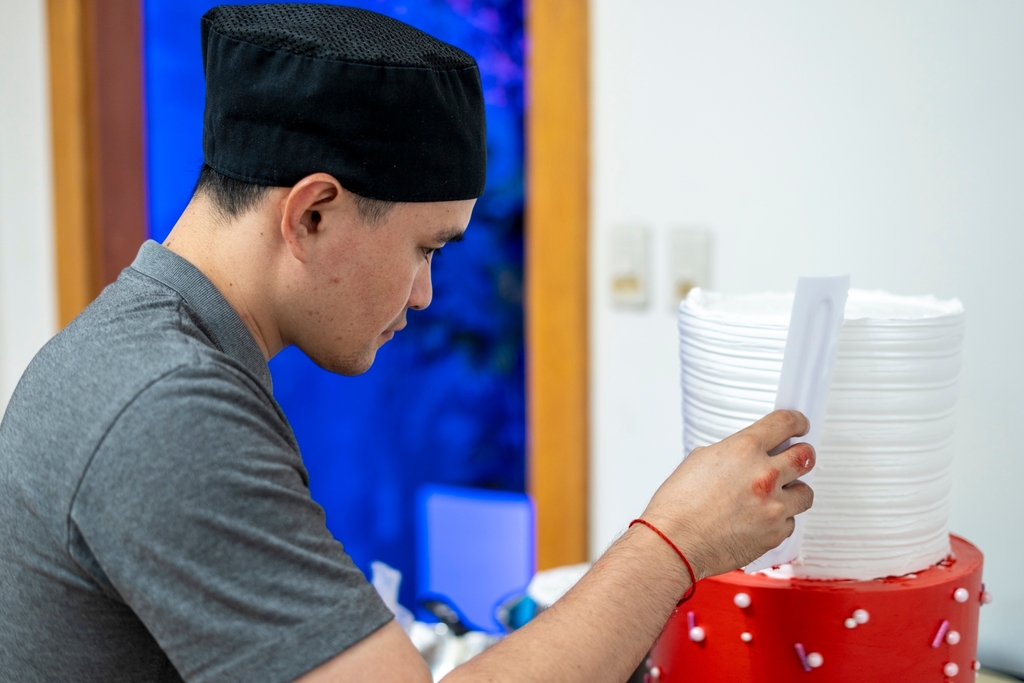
(445, 400)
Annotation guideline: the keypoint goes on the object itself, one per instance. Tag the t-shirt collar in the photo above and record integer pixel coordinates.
(216, 316)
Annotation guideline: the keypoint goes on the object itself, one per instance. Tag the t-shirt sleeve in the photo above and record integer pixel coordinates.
(196, 511)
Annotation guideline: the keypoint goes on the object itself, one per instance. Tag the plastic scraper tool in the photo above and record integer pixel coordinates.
(810, 356)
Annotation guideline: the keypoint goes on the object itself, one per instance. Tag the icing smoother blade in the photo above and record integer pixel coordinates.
(811, 346)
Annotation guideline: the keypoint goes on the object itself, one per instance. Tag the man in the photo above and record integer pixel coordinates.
(157, 523)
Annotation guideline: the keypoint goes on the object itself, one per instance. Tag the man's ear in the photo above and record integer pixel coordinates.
(309, 206)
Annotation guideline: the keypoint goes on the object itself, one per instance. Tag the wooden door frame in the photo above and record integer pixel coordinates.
(97, 117)
(557, 220)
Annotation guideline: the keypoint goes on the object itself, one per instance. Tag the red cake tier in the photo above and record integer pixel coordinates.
(919, 628)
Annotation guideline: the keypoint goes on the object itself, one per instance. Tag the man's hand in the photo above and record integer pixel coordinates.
(729, 503)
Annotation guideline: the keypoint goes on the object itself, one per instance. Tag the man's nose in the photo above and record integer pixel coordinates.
(422, 290)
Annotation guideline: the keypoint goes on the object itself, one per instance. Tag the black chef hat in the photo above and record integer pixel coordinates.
(391, 112)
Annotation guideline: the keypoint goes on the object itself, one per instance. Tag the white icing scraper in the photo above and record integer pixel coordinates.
(811, 346)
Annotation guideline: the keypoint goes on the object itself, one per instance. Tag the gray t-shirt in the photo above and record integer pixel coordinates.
(155, 516)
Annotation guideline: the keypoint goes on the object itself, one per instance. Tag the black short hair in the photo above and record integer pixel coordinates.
(232, 197)
(235, 197)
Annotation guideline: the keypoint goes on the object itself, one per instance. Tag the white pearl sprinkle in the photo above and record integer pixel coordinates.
(861, 616)
(961, 595)
(977, 665)
(746, 637)
(986, 598)
(655, 673)
(697, 634)
(953, 637)
(742, 600)
(814, 660)
(951, 669)
(850, 623)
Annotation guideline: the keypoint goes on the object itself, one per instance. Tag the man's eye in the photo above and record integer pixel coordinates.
(430, 251)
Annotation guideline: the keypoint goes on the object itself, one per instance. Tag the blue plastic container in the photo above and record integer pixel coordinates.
(474, 550)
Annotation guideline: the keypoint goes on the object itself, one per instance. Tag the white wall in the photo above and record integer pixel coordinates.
(27, 293)
(879, 138)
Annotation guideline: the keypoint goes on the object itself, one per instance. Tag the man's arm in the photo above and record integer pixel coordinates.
(724, 506)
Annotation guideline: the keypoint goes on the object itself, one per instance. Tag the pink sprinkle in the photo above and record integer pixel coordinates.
(943, 627)
(691, 620)
(802, 654)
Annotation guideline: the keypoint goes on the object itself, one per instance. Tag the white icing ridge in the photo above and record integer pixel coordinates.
(882, 485)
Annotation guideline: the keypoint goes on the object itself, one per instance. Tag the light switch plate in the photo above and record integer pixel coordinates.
(689, 262)
(630, 266)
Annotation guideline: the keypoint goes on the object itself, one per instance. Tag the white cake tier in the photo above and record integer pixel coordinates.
(882, 485)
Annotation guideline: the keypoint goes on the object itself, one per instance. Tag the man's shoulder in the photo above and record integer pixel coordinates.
(137, 325)
(135, 333)
(136, 355)
(138, 339)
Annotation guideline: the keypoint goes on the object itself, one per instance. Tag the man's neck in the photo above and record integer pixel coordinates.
(233, 255)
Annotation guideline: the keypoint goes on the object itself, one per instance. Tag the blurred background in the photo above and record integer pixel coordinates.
(667, 144)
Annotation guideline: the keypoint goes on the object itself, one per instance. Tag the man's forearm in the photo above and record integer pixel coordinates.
(601, 629)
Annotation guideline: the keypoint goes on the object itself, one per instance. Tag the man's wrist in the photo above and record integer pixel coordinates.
(659, 567)
(686, 540)
(676, 550)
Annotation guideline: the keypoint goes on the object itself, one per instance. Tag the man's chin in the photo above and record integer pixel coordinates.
(350, 366)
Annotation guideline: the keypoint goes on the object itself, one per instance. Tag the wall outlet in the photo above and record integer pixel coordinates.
(630, 266)
(689, 262)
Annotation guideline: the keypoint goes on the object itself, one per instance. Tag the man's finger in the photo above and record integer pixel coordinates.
(794, 462)
(774, 428)
(798, 498)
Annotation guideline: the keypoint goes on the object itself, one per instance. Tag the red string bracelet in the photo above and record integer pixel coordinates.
(693, 579)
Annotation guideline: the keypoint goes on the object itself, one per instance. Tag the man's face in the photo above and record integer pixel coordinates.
(360, 279)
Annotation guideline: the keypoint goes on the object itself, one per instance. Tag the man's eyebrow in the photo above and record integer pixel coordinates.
(449, 235)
